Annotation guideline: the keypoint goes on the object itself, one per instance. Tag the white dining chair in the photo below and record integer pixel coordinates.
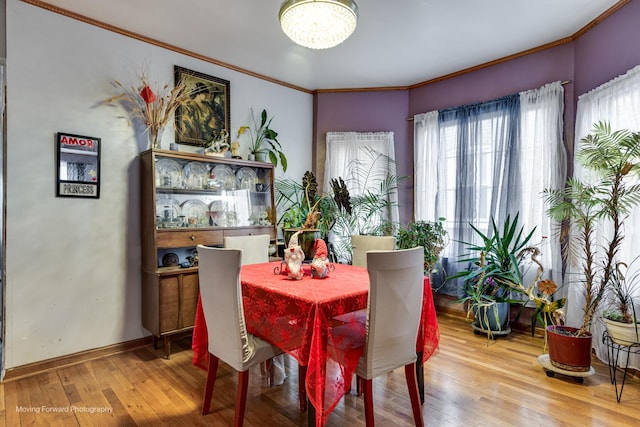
(361, 244)
(228, 340)
(388, 339)
(255, 248)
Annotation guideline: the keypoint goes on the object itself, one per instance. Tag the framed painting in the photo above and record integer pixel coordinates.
(78, 166)
(205, 116)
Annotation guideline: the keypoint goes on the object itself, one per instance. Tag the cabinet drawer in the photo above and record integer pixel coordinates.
(188, 238)
(250, 231)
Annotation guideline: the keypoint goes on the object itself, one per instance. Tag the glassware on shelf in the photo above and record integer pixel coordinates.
(224, 175)
(247, 178)
(168, 213)
(196, 175)
(218, 213)
(168, 174)
(195, 213)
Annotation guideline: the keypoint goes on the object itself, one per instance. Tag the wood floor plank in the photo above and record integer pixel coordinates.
(469, 381)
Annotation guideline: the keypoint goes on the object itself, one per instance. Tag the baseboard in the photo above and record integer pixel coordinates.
(30, 369)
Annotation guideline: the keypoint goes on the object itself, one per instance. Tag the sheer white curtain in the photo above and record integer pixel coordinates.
(618, 102)
(364, 160)
(543, 165)
(427, 187)
(347, 154)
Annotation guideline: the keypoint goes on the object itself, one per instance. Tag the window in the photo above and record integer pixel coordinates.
(491, 159)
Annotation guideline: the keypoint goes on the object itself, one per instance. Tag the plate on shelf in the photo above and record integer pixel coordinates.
(168, 174)
(247, 179)
(195, 213)
(170, 260)
(196, 175)
(225, 176)
(168, 213)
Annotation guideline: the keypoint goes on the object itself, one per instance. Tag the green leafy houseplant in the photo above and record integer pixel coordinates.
(613, 160)
(620, 313)
(263, 139)
(367, 213)
(337, 211)
(621, 300)
(303, 206)
(303, 209)
(432, 236)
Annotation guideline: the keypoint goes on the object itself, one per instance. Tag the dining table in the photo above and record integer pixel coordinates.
(297, 316)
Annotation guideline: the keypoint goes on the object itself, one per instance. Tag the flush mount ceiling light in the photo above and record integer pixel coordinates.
(318, 24)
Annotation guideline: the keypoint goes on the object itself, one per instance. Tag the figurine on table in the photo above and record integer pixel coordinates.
(320, 262)
(293, 257)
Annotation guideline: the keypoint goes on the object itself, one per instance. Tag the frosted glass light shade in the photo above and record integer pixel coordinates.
(318, 24)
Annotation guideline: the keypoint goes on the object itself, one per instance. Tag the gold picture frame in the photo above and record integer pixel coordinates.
(204, 118)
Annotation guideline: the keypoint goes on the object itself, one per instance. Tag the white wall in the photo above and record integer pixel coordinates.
(73, 265)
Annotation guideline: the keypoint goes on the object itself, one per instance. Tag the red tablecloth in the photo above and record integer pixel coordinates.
(297, 316)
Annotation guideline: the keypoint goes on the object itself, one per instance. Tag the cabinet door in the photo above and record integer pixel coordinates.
(169, 303)
(178, 301)
(188, 299)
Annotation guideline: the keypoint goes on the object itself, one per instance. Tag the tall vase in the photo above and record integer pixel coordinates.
(155, 135)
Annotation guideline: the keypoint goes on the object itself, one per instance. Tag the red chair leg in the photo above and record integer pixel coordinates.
(412, 385)
(302, 390)
(368, 402)
(270, 371)
(211, 380)
(241, 398)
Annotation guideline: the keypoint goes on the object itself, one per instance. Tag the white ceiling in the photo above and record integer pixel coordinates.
(396, 43)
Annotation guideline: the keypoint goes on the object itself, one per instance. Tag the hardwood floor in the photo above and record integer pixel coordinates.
(469, 382)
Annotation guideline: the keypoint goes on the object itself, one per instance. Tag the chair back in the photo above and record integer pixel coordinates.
(361, 244)
(221, 297)
(396, 281)
(255, 249)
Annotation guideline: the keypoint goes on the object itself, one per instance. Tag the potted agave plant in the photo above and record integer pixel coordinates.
(613, 161)
(493, 275)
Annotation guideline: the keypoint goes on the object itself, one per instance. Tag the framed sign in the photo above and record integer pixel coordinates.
(202, 119)
(78, 166)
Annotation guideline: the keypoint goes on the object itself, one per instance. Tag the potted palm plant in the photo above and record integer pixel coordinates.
(612, 158)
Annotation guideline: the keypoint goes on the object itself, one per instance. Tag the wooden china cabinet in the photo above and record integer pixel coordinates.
(190, 199)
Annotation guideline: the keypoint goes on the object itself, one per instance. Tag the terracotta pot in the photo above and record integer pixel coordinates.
(622, 333)
(306, 239)
(567, 351)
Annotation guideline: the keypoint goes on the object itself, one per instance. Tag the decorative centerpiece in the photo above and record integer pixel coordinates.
(304, 212)
(154, 106)
(294, 266)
